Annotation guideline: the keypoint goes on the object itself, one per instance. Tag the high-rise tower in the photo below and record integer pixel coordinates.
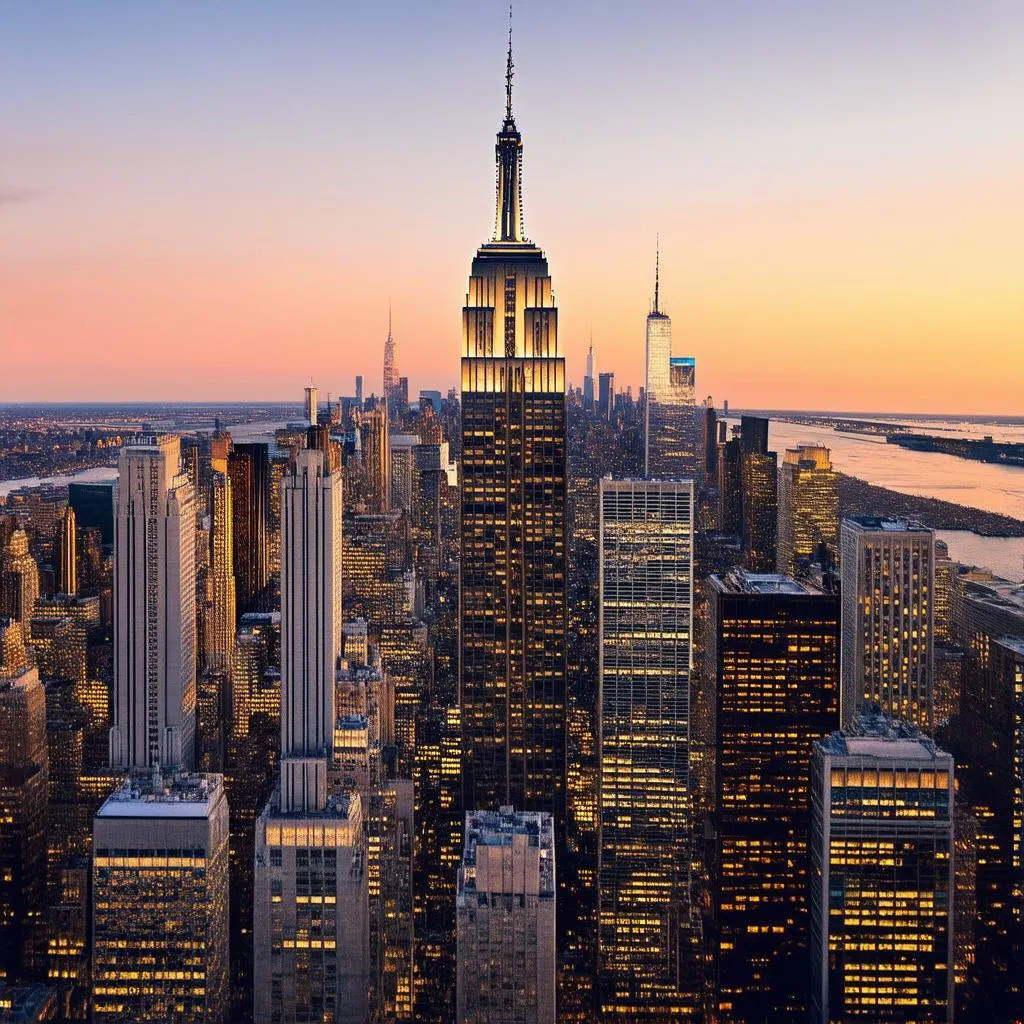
(310, 849)
(67, 552)
(161, 840)
(512, 656)
(670, 434)
(391, 373)
(154, 697)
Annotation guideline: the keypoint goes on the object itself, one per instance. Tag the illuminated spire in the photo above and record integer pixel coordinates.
(508, 220)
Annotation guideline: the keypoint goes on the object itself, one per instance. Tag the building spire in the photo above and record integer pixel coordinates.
(508, 71)
(657, 271)
(508, 220)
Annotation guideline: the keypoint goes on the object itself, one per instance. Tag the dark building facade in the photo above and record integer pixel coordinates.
(512, 650)
(773, 659)
(249, 471)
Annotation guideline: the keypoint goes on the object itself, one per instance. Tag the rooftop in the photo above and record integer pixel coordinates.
(875, 735)
(886, 524)
(739, 581)
(183, 795)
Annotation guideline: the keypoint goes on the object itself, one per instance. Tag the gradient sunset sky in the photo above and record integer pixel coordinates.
(204, 201)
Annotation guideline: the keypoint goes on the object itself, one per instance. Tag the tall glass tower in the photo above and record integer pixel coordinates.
(645, 939)
(512, 658)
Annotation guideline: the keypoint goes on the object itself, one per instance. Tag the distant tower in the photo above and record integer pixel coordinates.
(881, 875)
(808, 508)
(309, 841)
(588, 381)
(312, 405)
(154, 696)
(19, 581)
(391, 372)
(759, 500)
(606, 397)
(888, 567)
(670, 425)
(249, 471)
(67, 554)
(359, 391)
(505, 909)
(220, 623)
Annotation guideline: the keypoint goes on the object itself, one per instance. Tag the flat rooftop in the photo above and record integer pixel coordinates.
(887, 524)
(739, 581)
(873, 734)
(174, 796)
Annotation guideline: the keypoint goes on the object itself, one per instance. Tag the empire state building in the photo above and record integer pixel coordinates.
(512, 636)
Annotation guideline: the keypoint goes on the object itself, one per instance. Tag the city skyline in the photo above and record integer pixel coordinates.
(877, 221)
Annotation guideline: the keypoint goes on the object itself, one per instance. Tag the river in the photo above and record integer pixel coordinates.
(931, 475)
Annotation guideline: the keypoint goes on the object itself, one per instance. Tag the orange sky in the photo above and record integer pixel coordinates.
(838, 196)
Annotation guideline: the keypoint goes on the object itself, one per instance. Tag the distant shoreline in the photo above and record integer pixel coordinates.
(856, 497)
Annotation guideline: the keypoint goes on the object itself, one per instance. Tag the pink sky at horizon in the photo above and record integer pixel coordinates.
(834, 234)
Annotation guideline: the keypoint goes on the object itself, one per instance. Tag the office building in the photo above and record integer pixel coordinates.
(220, 616)
(645, 623)
(513, 567)
(887, 569)
(67, 553)
(505, 907)
(772, 658)
(710, 441)
(311, 405)
(24, 775)
(588, 381)
(606, 397)
(881, 893)
(94, 508)
(249, 472)
(154, 696)
(758, 495)
(376, 456)
(160, 902)
(19, 581)
(311, 939)
(808, 509)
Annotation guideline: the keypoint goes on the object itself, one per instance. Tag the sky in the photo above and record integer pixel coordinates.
(220, 201)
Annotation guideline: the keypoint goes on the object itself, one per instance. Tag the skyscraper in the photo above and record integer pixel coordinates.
(67, 553)
(161, 841)
(220, 620)
(645, 623)
(312, 402)
(887, 646)
(391, 373)
(24, 767)
(808, 508)
(506, 919)
(606, 396)
(249, 471)
(19, 581)
(311, 939)
(588, 381)
(512, 654)
(377, 457)
(670, 435)
(881, 851)
(759, 495)
(154, 698)
(710, 441)
(772, 655)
